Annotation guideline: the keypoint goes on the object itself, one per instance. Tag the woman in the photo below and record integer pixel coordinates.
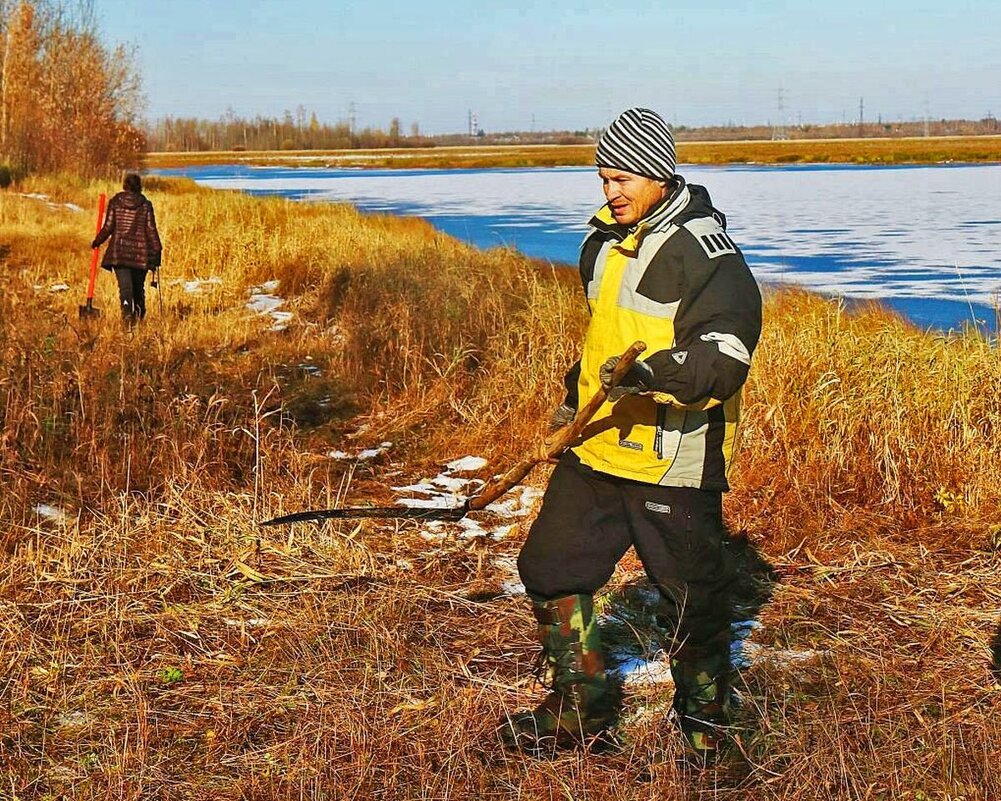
(134, 248)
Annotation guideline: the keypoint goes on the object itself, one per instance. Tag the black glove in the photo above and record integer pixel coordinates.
(95, 245)
(638, 378)
(562, 416)
(154, 261)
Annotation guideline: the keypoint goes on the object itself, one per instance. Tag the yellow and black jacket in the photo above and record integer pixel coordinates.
(676, 281)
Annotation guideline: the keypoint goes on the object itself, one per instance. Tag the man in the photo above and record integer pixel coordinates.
(134, 248)
(657, 266)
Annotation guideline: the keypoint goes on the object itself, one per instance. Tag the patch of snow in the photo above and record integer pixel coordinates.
(515, 504)
(264, 301)
(362, 456)
(452, 484)
(467, 464)
(740, 631)
(264, 304)
(49, 202)
(508, 565)
(194, 287)
(638, 672)
(53, 513)
(471, 529)
(372, 453)
(59, 287)
(754, 652)
(474, 529)
(636, 668)
(512, 587)
(254, 622)
(440, 502)
(427, 489)
(336, 334)
(74, 720)
(502, 532)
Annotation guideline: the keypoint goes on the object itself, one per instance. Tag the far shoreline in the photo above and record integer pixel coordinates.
(872, 151)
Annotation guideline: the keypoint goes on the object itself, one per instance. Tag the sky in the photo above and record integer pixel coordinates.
(563, 64)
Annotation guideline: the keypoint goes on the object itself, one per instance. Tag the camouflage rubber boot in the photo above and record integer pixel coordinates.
(702, 695)
(582, 703)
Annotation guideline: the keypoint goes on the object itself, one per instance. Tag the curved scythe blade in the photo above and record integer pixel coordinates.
(400, 512)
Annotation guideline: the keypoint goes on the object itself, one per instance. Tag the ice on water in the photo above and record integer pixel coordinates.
(913, 234)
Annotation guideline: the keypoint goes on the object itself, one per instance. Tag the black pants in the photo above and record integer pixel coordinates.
(589, 520)
(132, 292)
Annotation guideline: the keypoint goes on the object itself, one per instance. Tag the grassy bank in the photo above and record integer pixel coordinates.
(159, 644)
(908, 150)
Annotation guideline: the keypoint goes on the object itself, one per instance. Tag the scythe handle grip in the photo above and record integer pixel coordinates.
(561, 440)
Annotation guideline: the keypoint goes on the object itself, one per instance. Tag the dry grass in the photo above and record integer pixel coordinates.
(904, 150)
(159, 644)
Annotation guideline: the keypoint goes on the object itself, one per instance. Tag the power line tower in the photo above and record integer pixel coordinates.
(352, 110)
(861, 116)
(779, 132)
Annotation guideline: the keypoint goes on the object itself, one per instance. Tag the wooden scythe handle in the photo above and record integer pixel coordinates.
(560, 440)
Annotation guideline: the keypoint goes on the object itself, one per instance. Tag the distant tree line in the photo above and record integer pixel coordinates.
(300, 131)
(67, 103)
(289, 132)
(874, 129)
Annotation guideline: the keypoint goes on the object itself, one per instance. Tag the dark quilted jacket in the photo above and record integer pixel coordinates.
(131, 226)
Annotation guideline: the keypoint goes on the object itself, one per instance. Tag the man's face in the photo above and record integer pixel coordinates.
(630, 196)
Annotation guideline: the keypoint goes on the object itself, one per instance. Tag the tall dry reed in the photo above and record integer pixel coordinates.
(159, 644)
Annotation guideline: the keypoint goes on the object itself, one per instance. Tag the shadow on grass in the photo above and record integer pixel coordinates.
(638, 645)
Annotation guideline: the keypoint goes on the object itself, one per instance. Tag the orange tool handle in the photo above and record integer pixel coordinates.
(101, 201)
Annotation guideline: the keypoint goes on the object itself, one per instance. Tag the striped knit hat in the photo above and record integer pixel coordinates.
(640, 142)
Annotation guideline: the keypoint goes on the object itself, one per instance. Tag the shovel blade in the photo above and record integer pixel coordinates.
(89, 311)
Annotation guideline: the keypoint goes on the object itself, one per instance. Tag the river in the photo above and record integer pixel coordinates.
(923, 240)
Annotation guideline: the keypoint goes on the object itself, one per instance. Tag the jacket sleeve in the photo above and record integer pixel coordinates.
(152, 235)
(716, 330)
(108, 228)
(154, 248)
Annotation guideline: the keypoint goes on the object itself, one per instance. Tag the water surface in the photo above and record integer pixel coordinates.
(924, 240)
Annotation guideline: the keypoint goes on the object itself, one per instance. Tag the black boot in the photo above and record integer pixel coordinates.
(582, 704)
(702, 695)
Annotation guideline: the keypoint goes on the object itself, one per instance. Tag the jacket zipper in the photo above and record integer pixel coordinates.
(658, 439)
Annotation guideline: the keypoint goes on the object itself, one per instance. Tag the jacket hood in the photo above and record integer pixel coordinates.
(130, 200)
(700, 205)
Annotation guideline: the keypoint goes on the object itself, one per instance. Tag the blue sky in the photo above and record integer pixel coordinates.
(563, 64)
